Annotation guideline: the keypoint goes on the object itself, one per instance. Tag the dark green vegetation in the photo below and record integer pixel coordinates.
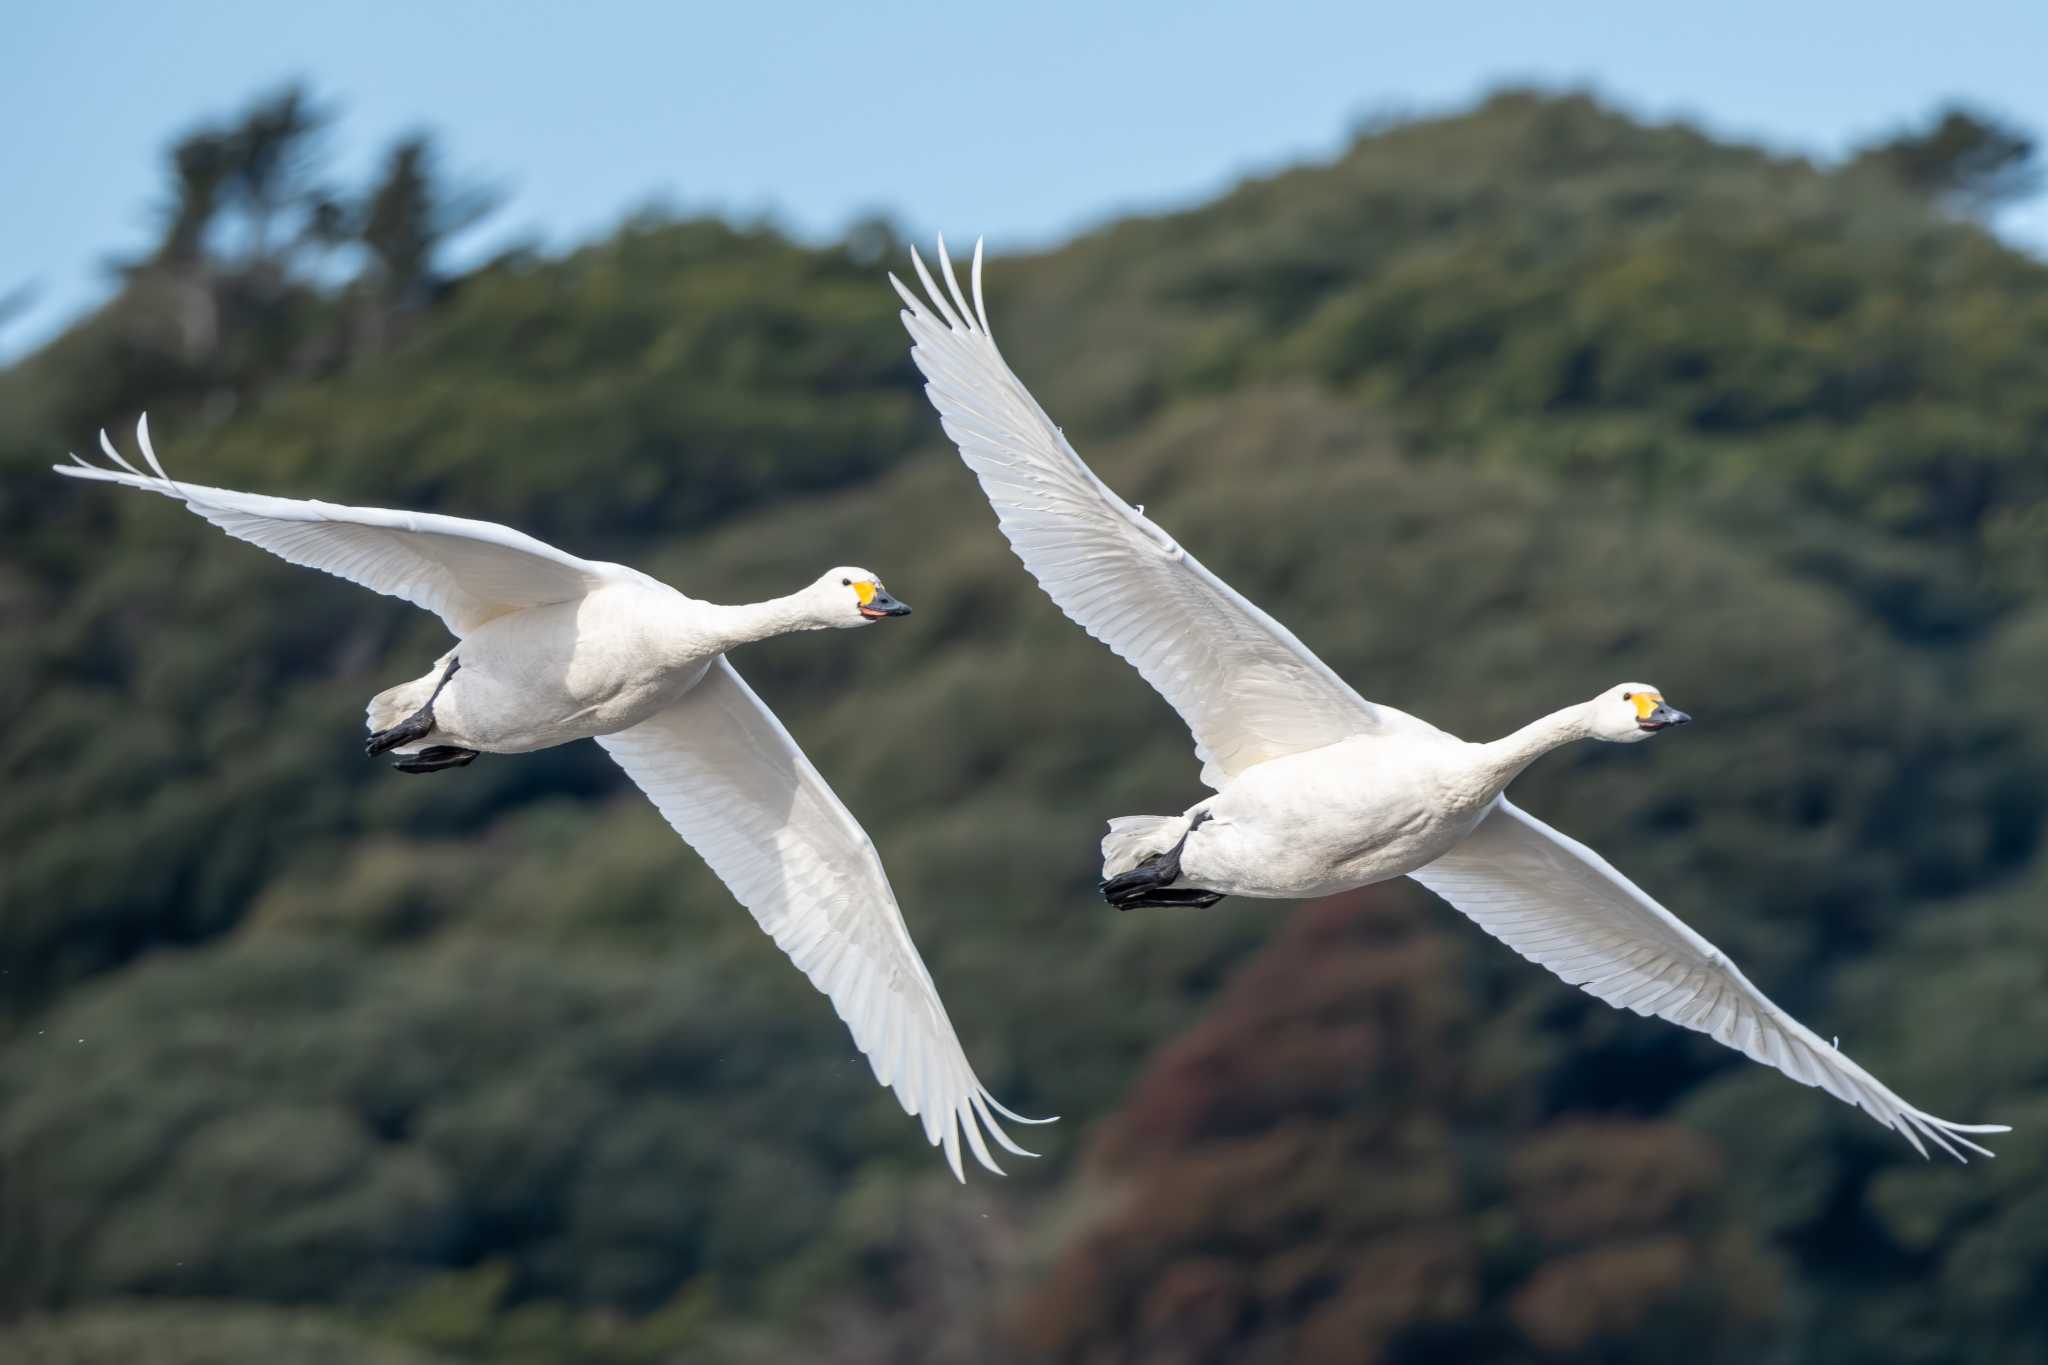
(303, 1060)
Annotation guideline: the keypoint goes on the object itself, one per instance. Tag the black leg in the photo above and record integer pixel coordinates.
(1152, 881)
(418, 725)
(434, 758)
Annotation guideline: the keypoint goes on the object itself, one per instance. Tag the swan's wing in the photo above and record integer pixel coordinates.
(1558, 903)
(465, 572)
(1247, 688)
(724, 773)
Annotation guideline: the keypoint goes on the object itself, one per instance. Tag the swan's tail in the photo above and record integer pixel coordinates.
(1134, 838)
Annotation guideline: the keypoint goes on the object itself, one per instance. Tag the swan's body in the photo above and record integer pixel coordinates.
(1326, 820)
(1317, 789)
(551, 674)
(1362, 810)
(586, 668)
(553, 648)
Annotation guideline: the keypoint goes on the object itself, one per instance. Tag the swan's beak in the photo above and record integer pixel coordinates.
(881, 604)
(1663, 718)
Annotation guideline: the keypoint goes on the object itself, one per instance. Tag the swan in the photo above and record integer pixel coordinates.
(552, 648)
(1318, 790)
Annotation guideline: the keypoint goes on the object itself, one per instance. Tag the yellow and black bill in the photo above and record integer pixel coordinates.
(1654, 714)
(875, 602)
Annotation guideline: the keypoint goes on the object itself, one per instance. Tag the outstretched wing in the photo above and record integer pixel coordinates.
(1558, 903)
(465, 572)
(724, 773)
(1247, 688)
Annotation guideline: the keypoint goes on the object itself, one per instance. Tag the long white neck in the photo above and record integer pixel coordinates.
(747, 622)
(1504, 759)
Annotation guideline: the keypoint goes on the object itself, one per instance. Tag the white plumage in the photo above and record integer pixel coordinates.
(553, 648)
(1317, 789)
(465, 572)
(1245, 686)
(724, 773)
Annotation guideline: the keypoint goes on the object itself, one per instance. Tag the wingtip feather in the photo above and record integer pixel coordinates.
(966, 1119)
(938, 298)
(980, 1101)
(980, 308)
(953, 285)
(903, 292)
(1012, 1114)
(950, 1141)
(149, 451)
(1913, 1124)
(107, 447)
(1905, 1130)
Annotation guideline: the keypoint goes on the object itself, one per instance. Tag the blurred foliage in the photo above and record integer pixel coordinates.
(200, 1333)
(1547, 284)
(1962, 157)
(1332, 1166)
(299, 1057)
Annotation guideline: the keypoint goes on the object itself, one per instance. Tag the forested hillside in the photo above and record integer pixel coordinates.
(303, 1060)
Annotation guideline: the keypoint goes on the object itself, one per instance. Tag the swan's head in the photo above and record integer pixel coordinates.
(847, 596)
(1628, 712)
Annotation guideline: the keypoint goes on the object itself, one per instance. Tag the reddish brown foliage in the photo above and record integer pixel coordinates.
(1580, 1182)
(1567, 1305)
(1312, 1174)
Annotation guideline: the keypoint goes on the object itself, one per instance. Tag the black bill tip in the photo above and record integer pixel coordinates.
(883, 605)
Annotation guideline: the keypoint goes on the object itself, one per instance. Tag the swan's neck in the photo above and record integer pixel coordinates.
(746, 622)
(1503, 760)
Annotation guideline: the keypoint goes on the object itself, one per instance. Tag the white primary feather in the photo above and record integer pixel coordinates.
(1560, 904)
(1247, 688)
(466, 572)
(721, 769)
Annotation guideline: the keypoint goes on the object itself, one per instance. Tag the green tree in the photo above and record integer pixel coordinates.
(200, 164)
(1964, 158)
(409, 215)
(271, 157)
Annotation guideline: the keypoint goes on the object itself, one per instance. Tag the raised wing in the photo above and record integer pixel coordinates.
(1558, 903)
(724, 773)
(1247, 688)
(465, 572)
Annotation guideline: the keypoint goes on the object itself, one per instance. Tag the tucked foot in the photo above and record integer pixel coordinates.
(418, 725)
(1152, 881)
(435, 758)
(1141, 880)
(1187, 897)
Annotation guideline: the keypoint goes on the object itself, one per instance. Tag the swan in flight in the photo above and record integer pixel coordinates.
(552, 648)
(1317, 789)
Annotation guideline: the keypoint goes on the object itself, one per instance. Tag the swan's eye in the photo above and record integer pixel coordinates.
(846, 582)
(1626, 695)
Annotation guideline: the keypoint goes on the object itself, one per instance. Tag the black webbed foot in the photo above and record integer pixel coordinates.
(1152, 881)
(1186, 897)
(418, 725)
(435, 758)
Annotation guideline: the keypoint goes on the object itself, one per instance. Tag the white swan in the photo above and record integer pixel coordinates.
(1319, 790)
(553, 648)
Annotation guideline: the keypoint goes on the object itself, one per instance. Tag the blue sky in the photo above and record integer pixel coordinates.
(1024, 121)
